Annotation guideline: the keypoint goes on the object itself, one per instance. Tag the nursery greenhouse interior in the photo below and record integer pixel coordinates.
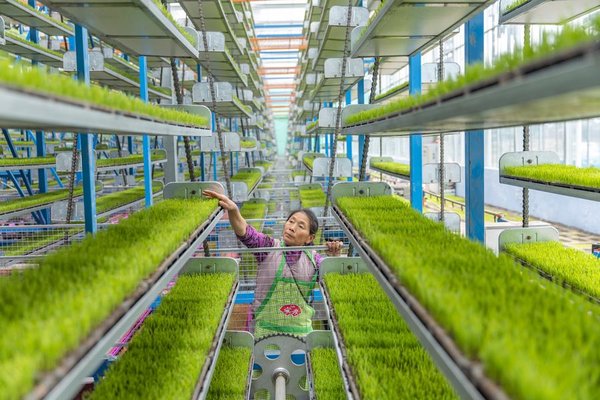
(300, 199)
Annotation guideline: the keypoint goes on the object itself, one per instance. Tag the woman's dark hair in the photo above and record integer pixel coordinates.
(312, 219)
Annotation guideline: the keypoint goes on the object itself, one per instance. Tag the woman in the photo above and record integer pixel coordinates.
(285, 279)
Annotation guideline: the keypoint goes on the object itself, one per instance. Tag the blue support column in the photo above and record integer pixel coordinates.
(214, 154)
(349, 137)
(85, 140)
(327, 149)
(361, 100)
(145, 138)
(474, 146)
(416, 140)
(202, 173)
(40, 142)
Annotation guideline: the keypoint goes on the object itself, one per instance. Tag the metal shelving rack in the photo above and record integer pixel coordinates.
(28, 50)
(545, 11)
(559, 87)
(31, 17)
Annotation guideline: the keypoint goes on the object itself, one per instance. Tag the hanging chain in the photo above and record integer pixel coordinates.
(338, 117)
(74, 163)
(527, 44)
(213, 97)
(186, 139)
(363, 164)
(442, 167)
(120, 154)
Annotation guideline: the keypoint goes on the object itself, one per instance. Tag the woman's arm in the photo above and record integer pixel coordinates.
(236, 220)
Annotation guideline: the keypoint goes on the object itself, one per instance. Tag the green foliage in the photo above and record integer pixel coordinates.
(170, 17)
(241, 105)
(247, 144)
(231, 374)
(250, 177)
(254, 210)
(118, 199)
(387, 361)
(515, 4)
(298, 173)
(127, 160)
(48, 311)
(393, 167)
(549, 44)
(557, 173)
(312, 198)
(35, 79)
(265, 164)
(37, 200)
(327, 378)
(265, 186)
(395, 89)
(14, 34)
(498, 313)
(9, 162)
(570, 266)
(165, 358)
(309, 159)
(37, 241)
(312, 125)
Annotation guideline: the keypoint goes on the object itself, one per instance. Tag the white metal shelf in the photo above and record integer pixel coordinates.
(137, 27)
(31, 52)
(560, 87)
(30, 110)
(29, 16)
(403, 27)
(588, 193)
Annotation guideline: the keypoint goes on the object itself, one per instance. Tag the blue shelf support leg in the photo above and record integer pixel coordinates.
(361, 100)
(474, 144)
(145, 138)
(416, 140)
(349, 137)
(85, 139)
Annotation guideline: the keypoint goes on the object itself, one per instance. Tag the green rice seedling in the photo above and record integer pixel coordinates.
(181, 29)
(393, 167)
(312, 125)
(47, 312)
(118, 199)
(550, 44)
(557, 173)
(10, 162)
(327, 378)
(265, 185)
(231, 374)
(252, 210)
(309, 159)
(165, 358)
(569, 266)
(18, 76)
(395, 89)
(378, 341)
(265, 164)
(514, 5)
(37, 241)
(498, 313)
(312, 198)
(298, 173)
(132, 159)
(37, 200)
(14, 34)
(250, 177)
(247, 144)
(241, 105)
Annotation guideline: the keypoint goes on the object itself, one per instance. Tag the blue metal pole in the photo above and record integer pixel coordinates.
(416, 140)
(202, 173)
(87, 158)
(349, 137)
(474, 146)
(214, 154)
(40, 142)
(145, 138)
(327, 149)
(361, 100)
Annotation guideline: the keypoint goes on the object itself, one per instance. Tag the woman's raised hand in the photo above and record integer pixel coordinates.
(224, 201)
(333, 248)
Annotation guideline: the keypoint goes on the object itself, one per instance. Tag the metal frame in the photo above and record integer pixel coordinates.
(393, 31)
(222, 64)
(539, 158)
(33, 18)
(26, 110)
(561, 87)
(137, 27)
(228, 105)
(328, 85)
(31, 52)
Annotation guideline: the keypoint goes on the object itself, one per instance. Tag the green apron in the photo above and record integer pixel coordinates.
(285, 309)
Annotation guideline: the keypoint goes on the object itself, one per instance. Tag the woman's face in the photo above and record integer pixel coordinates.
(296, 231)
